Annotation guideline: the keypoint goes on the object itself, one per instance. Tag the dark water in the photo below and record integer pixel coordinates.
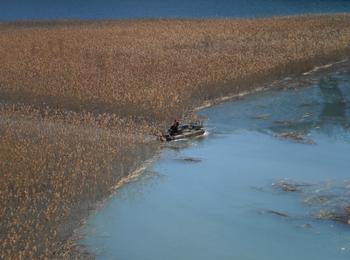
(213, 199)
(122, 9)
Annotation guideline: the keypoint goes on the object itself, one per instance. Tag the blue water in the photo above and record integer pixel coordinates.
(122, 9)
(210, 198)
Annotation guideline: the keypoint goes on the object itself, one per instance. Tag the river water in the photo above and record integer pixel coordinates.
(126, 9)
(223, 196)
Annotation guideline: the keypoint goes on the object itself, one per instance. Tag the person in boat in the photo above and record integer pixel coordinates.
(174, 129)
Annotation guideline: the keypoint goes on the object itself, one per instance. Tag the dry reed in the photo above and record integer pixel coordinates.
(78, 98)
(156, 68)
(53, 169)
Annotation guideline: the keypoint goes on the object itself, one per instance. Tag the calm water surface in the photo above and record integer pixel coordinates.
(215, 205)
(122, 9)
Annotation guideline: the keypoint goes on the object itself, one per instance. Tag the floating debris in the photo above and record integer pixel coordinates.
(189, 159)
(262, 116)
(282, 122)
(292, 135)
(306, 225)
(342, 217)
(287, 186)
(306, 115)
(327, 201)
(274, 212)
(323, 199)
(296, 137)
(323, 214)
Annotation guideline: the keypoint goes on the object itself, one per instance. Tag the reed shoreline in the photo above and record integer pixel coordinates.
(79, 102)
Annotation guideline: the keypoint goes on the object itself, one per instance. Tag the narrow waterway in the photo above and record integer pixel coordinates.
(254, 188)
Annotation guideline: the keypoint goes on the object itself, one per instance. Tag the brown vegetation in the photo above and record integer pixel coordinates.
(156, 68)
(53, 171)
(79, 98)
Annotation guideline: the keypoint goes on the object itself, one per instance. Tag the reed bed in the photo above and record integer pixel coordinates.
(78, 101)
(53, 170)
(157, 68)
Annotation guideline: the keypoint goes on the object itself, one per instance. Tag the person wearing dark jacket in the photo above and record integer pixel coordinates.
(174, 129)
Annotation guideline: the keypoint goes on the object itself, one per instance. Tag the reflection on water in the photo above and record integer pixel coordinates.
(215, 198)
(334, 103)
(333, 110)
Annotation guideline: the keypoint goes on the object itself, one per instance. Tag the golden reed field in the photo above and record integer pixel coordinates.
(78, 101)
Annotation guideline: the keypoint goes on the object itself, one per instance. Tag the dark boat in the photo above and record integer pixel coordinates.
(185, 131)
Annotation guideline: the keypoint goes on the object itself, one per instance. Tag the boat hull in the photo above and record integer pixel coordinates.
(185, 134)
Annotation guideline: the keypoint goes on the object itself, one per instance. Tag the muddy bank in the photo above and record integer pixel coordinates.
(81, 100)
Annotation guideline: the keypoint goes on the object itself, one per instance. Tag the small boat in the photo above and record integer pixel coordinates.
(185, 131)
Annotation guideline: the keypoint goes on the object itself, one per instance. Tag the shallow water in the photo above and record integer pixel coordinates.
(212, 199)
(121, 9)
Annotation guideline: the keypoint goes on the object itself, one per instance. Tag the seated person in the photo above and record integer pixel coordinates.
(174, 129)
